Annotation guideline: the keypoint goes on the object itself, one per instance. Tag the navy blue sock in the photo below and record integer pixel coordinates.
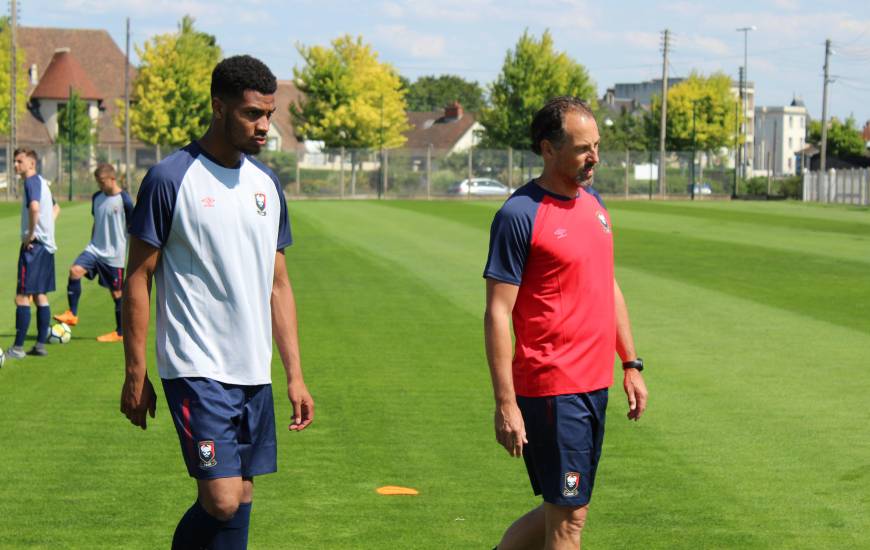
(43, 320)
(22, 323)
(234, 533)
(196, 529)
(118, 327)
(73, 293)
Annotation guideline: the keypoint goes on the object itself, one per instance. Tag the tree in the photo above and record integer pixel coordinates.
(172, 98)
(350, 99)
(532, 73)
(714, 107)
(433, 93)
(626, 131)
(844, 138)
(78, 129)
(21, 79)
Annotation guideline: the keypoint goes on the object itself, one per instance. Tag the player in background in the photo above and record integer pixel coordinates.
(105, 254)
(210, 226)
(36, 256)
(550, 270)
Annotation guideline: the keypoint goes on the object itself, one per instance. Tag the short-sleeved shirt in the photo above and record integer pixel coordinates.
(36, 189)
(109, 235)
(559, 251)
(218, 230)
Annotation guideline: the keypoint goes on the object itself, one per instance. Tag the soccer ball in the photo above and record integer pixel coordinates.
(60, 334)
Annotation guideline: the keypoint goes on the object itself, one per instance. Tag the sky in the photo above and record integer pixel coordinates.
(617, 41)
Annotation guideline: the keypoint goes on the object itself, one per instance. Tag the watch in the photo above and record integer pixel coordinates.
(636, 364)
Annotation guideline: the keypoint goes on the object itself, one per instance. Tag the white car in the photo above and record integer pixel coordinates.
(480, 187)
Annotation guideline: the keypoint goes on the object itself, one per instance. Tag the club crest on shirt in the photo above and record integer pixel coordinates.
(206, 454)
(560, 233)
(260, 199)
(603, 219)
(572, 484)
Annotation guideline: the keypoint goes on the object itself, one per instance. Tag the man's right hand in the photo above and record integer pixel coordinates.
(137, 399)
(510, 430)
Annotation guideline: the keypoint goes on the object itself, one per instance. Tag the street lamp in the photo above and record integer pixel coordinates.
(744, 91)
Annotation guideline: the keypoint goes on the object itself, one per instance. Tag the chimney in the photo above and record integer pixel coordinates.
(867, 131)
(453, 111)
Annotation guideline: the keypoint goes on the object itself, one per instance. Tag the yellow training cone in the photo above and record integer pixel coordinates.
(396, 490)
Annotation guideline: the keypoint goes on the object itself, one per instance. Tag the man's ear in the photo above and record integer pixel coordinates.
(218, 107)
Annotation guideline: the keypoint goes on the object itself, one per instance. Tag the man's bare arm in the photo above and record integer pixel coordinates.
(286, 334)
(635, 388)
(509, 427)
(137, 394)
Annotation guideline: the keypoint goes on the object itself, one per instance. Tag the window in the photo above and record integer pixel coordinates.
(790, 145)
(790, 122)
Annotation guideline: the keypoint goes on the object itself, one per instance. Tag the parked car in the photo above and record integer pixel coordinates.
(700, 189)
(480, 187)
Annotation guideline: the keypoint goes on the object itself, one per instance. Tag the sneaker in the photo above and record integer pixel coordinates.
(38, 350)
(110, 337)
(68, 318)
(16, 352)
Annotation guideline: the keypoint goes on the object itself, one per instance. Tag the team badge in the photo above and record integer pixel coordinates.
(560, 233)
(603, 219)
(206, 454)
(260, 199)
(572, 484)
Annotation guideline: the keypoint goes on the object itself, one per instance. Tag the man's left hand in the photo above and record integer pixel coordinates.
(635, 390)
(303, 406)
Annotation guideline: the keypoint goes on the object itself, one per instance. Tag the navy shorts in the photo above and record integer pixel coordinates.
(108, 276)
(226, 430)
(565, 434)
(35, 270)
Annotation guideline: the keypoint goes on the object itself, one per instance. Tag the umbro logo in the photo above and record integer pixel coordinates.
(560, 233)
(208, 202)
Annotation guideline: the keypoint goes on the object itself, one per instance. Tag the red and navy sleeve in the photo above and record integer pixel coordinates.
(510, 238)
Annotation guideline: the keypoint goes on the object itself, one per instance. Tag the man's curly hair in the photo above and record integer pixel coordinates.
(232, 76)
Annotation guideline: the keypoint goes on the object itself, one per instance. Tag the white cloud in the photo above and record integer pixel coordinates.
(392, 9)
(417, 44)
(643, 40)
(707, 44)
(787, 4)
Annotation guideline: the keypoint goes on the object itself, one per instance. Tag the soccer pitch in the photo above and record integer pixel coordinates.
(753, 319)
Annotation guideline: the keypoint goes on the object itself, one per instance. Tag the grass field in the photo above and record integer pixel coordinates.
(753, 318)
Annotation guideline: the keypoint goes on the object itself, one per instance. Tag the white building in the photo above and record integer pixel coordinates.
(780, 135)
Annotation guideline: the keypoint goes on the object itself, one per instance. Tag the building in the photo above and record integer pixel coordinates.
(632, 95)
(451, 130)
(781, 136)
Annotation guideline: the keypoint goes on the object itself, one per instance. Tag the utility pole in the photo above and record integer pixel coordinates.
(664, 117)
(127, 112)
(824, 152)
(742, 148)
(13, 73)
(744, 94)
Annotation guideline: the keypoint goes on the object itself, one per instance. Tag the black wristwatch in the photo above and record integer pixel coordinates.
(636, 364)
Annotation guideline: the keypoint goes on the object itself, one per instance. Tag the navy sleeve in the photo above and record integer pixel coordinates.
(509, 240)
(32, 190)
(151, 219)
(128, 208)
(93, 201)
(594, 192)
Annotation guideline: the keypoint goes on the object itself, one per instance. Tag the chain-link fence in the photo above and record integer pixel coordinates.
(402, 173)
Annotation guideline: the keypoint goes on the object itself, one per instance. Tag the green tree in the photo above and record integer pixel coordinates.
(623, 131)
(21, 79)
(74, 124)
(844, 138)
(532, 73)
(171, 93)
(714, 106)
(350, 98)
(433, 93)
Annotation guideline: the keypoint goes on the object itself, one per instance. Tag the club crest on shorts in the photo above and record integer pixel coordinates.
(603, 219)
(206, 454)
(260, 200)
(572, 484)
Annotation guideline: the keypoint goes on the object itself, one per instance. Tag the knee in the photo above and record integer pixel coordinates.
(76, 272)
(223, 507)
(572, 521)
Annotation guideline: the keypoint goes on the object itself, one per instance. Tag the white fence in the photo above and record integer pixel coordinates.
(838, 186)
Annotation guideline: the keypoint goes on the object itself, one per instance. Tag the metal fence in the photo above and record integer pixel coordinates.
(402, 173)
(838, 187)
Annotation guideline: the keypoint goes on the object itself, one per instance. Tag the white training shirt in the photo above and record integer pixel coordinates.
(36, 189)
(109, 234)
(218, 230)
